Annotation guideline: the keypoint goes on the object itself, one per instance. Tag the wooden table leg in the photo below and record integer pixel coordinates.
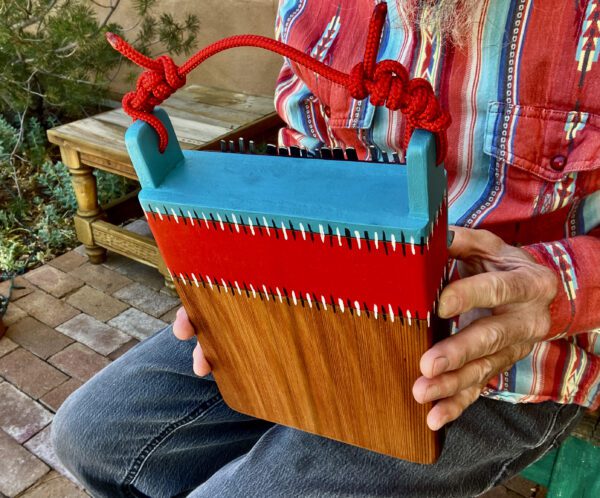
(169, 284)
(88, 209)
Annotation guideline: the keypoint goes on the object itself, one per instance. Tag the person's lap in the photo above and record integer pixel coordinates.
(147, 426)
(140, 421)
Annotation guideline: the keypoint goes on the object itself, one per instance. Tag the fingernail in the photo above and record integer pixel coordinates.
(435, 423)
(448, 305)
(440, 365)
(450, 237)
(432, 392)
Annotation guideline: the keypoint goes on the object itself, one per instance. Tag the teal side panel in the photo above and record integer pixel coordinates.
(426, 180)
(388, 201)
(142, 144)
(351, 194)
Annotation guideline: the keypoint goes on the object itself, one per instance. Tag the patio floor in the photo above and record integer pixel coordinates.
(71, 320)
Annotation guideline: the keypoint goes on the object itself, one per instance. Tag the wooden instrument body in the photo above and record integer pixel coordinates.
(312, 284)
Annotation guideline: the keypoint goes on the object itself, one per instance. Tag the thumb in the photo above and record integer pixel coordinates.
(182, 327)
(201, 365)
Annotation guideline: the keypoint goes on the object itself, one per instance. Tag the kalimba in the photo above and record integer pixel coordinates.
(312, 282)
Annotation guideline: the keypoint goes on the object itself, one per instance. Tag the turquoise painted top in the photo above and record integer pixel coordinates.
(379, 200)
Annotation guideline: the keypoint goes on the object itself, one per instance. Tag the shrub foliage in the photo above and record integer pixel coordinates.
(56, 66)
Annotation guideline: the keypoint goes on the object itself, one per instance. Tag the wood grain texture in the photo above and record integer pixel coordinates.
(127, 243)
(339, 375)
(201, 116)
(88, 209)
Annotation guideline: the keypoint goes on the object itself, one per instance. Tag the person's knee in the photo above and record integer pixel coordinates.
(72, 431)
(79, 434)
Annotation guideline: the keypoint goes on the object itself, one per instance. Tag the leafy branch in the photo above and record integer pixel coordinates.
(55, 65)
(54, 58)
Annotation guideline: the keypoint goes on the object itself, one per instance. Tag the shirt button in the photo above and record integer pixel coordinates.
(327, 110)
(558, 163)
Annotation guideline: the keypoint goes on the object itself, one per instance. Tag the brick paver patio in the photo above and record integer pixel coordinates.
(69, 321)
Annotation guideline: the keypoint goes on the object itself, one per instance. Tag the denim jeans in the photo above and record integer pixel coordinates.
(147, 426)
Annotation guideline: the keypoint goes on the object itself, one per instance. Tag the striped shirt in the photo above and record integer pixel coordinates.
(524, 157)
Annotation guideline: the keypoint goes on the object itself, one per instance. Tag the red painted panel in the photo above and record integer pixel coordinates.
(335, 268)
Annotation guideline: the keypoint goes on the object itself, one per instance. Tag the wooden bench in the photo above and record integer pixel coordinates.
(573, 469)
(202, 117)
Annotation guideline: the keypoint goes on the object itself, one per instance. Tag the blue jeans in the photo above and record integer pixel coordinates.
(147, 426)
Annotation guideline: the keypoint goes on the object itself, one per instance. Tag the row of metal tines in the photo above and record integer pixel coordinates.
(334, 153)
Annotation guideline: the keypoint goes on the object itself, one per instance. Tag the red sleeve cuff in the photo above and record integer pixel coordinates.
(562, 308)
(576, 262)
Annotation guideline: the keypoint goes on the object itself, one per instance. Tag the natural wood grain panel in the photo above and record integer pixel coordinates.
(336, 374)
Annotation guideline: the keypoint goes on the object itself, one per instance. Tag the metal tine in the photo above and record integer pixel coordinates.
(231, 146)
(242, 145)
(284, 152)
(294, 151)
(252, 147)
(396, 157)
(325, 153)
(271, 150)
(351, 154)
(223, 146)
(338, 154)
(385, 156)
(374, 156)
(304, 152)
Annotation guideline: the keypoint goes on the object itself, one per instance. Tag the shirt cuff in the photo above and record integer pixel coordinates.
(555, 256)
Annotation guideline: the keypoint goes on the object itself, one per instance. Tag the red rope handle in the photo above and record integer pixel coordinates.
(386, 82)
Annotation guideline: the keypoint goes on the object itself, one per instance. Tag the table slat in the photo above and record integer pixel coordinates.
(199, 114)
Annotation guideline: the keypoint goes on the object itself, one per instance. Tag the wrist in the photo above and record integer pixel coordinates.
(561, 315)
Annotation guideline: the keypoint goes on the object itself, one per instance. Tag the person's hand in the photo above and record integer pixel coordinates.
(184, 330)
(514, 292)
(504, 280)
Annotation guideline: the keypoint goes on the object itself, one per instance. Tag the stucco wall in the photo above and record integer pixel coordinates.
(246, 70)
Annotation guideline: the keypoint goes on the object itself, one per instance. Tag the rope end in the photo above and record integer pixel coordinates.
(113, 39)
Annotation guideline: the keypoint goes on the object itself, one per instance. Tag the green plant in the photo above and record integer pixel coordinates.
(56, 65)
(55, 59)
(36, 225)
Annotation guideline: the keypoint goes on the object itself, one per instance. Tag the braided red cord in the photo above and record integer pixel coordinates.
(386, 82)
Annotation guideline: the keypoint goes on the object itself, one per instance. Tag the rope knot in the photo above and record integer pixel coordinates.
(385, 87)
(391, 86)
(386, 82)
(153, 87)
